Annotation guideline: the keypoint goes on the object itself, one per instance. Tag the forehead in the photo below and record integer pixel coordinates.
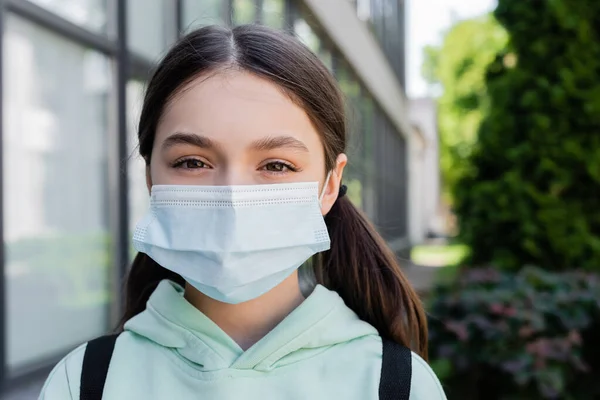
(235, 105)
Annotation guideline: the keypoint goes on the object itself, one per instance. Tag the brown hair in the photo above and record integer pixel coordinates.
(359, 266)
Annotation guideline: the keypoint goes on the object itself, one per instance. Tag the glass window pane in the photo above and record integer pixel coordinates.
(368, 124)
(391, 180)
(90, 14)
(55, 187)
(306, 34)
(326, 57)
(197, 13)
(148, 27)
(351, 89)
(377, 11)
(368, 121)
(363, 9)
(244, 12)
(139, 200)
(273, 13)
(353, 181)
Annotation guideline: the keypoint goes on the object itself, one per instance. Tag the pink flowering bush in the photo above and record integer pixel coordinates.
(530, 335)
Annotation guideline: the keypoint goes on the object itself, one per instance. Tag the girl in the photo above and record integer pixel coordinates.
(243, 133)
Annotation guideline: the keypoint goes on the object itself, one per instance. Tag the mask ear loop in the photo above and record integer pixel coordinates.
(324, 187)
(306, 272)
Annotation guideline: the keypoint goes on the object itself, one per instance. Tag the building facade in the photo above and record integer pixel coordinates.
(72, 188)
(427, 211)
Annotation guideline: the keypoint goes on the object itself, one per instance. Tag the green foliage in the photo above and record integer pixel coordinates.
(531, 192)
(459, 66)
(531, 335)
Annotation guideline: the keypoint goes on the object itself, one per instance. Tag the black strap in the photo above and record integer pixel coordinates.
(396, 371)
(95, 367)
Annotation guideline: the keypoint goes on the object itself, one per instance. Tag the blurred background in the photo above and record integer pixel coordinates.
(474, 147)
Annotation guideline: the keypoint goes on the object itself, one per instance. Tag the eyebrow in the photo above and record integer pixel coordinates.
(277, 142)
(187, 138)
(265, 144)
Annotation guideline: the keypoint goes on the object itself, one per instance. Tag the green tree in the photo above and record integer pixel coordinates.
(531, 194)
(459, 66)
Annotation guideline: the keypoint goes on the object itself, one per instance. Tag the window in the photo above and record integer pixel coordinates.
(387, 22)
(305, 33)
(326, 57)
(367, 111)
(244, 12)
(367, 108)
(90, 14)
(147, 32)
(139, 200)
(351, 89)
(273, 13)
(363, 9)
(392, 180)
(55, 210)
(377, 18)
(355, 173)
(197, 13)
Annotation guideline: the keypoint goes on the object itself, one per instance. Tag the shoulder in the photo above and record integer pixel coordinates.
(63, 381)
(425, 385)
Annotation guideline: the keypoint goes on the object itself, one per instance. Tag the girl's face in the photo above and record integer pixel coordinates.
(234, 128)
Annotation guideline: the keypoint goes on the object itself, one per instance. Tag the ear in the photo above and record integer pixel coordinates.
(332, 188)
(148, 179)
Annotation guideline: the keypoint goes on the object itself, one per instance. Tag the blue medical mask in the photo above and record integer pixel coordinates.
(233, 243)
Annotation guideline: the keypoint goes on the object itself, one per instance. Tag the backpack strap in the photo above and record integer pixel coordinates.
(95, 367)
(396, 371)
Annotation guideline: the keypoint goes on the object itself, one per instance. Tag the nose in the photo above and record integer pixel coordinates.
(234, 175)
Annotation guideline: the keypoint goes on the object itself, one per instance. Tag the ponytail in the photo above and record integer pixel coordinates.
(143, 278)
(365, 273)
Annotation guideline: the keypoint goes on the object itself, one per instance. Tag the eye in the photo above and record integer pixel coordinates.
(190, 163)
(279, 167)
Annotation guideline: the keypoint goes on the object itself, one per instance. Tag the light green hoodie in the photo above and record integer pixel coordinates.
(322, 350)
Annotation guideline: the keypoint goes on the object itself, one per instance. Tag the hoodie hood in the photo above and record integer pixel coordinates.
(320, 322)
